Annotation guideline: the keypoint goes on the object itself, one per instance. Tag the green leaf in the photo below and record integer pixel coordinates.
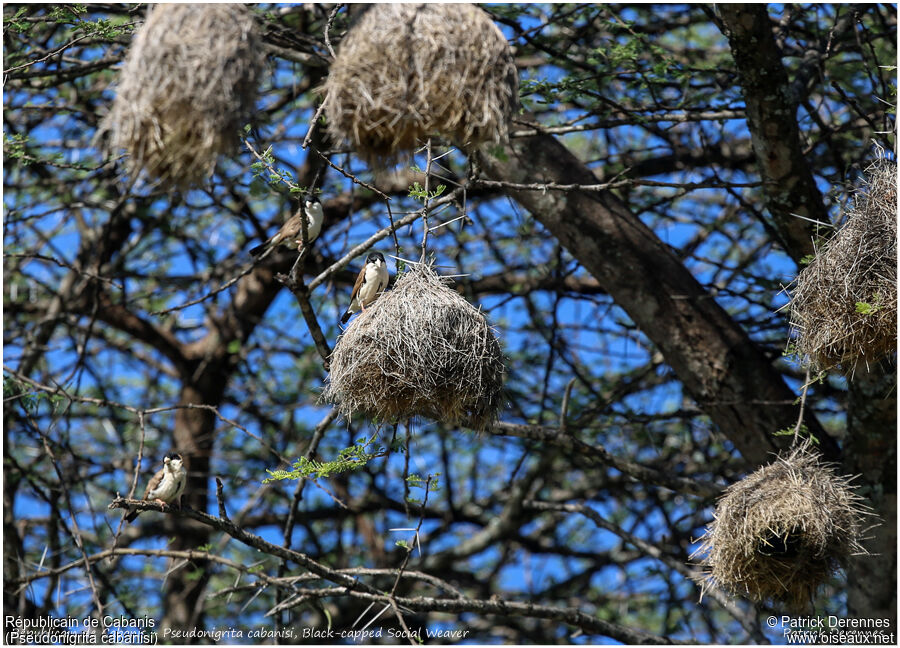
(258, 188)
(351, 458)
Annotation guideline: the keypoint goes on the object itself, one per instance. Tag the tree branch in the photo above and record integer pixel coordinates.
(788, 183)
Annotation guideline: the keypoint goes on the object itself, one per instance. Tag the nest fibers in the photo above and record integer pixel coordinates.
(188, 85)
(780, 532)
(844, 305)
(421, 349)
(405, 72)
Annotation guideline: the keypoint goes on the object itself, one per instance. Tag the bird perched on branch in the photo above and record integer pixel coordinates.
(166, 485)
(291, 231)
(370, 283)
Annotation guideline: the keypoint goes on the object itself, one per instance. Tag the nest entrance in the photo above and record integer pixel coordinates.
(188, 85)
(782, 531)
(420, 350)
(844, 303)
(405, 72)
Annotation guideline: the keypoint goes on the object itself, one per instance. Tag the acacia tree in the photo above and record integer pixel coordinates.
(669, 172)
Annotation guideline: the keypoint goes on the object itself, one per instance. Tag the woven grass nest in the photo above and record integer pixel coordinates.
(420, 350)
(844, 303)
(405, 72)
(188, 86)
(779, 533)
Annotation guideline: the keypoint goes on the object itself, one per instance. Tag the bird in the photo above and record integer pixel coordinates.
(291, 231)
(166, 485)
(370, 283)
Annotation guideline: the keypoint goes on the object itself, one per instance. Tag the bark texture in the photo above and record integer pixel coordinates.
(872, 454)
(788, 183)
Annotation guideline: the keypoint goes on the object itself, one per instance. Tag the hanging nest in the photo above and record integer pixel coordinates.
(188, 86)
(781, 532)
(844, 304)
(406, 72)
(421, 349)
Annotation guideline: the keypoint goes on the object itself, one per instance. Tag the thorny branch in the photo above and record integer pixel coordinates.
(351, 585)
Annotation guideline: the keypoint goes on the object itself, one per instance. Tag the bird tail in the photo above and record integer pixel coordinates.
(131, 517)
(259, 249)
(346, 316)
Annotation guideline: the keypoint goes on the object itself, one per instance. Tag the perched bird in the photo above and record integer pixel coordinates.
(291, 231)
(167, 484)
(370, 283)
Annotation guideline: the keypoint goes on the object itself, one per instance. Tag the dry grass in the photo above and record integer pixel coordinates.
(188, 85)
(406, 72)
(857, 266)
(421, 349)
(780, 532)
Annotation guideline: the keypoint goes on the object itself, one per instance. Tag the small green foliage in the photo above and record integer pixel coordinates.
(103, 28)
(499, 152)
(418, 192)
(31, 400)
(13, 388)
(234, 346)
(258, 188)
(205, 547)
(13, 24)
(66, 14)
(806, 260)
(431, 483)
(267, 176)
(351, 458)
(803, 433)
(866, 308)
(404, 544)
(14, 147)
(194, 575)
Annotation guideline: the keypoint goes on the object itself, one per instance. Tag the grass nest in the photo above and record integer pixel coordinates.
(782, 531)
(188, 86)
(406, 72)
(421, 349)
(844, 304)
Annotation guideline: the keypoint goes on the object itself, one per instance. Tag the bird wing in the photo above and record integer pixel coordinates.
(291, 228)
(181, 482)
(154, 482)
(360, 282)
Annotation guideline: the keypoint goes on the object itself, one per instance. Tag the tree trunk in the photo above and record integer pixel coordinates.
(872, 453)
(788, 183)
(719, 365)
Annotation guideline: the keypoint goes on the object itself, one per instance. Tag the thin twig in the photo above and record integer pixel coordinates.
(427, 202)
(313, 122)
(341, 263)
(296, 285)
(349, 175)
(802, 408)
(327, 31)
